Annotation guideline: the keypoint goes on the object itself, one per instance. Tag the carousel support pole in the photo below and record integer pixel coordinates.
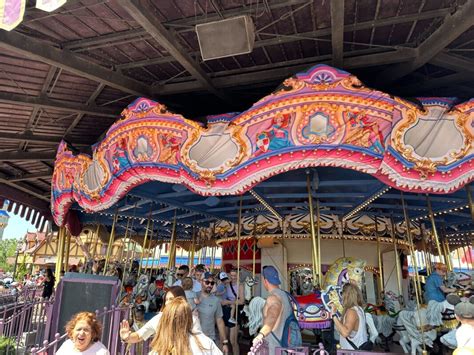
(412, 251)
(239, 232)
(59, 257)
(433, 228)
(459, 257)
(150, 254)
(172, 254)
(448, 254)
(397, 258)
(342, 238)
(213, 259)
(193, 249)
(467, 255)
(96, 241)
(124, 240)
(313, 229)
(111, 241)
(145, 239)
(379, 254)
(200, 255)
(254, 245)
(67, 249)
(425, 253)
(132, 258)
(417, 277)
(318, 230)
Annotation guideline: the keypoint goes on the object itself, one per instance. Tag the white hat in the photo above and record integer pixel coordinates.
(223, 276)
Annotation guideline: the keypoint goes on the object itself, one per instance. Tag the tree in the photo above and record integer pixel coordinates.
(7, 250)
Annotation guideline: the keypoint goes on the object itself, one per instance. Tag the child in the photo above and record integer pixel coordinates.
(221, 292)
(191, 296)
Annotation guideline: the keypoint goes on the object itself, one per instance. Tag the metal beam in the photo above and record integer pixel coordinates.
(145, 16)
(26, 177)
(131, 35)
(273, 75)
(28, 137)
(337, 32)
(430, 84)
(58, 105)
(26, 156)
(453, 26)
(454, 62)
(67, 60)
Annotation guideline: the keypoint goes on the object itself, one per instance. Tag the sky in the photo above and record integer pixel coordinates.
(17, 227)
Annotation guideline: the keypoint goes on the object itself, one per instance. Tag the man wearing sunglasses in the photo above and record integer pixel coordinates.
(210, 312)
(182, 272)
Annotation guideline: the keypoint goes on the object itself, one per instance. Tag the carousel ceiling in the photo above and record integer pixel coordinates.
(69, 73)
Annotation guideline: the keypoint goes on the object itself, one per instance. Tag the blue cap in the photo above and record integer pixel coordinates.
(271, 275)
(207, 275)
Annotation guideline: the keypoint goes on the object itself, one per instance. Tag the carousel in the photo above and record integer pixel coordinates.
(325, 179)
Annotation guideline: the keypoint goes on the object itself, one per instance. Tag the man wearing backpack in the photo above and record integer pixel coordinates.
(280, 326)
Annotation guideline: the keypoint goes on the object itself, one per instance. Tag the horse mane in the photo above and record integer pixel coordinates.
(255, 314)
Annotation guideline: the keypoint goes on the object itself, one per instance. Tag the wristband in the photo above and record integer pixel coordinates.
(260, 333)
(225, 342)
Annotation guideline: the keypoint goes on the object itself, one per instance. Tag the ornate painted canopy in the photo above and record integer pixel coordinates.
(324, 117)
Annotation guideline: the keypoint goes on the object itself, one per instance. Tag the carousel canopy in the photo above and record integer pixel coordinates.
(69, 73)
(354, 148)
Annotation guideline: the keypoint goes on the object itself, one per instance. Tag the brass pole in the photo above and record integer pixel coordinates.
(239, 232)
(254, 245)
(433, 228)
(426, 253)
(59, 249)
(96, 241)
(318, 230)
(342, 238)
(379, 253)
(67, 249)
(467, 255)
(397, 258)
(149, 248)
(448, 254)
(213, 258)
(132, 259)
(172, 254)
(412, 250)
(145, 239)
(193, 248)
(417, 279)
(124, 239)
(459, 258)
(313, 229)
(111, 241)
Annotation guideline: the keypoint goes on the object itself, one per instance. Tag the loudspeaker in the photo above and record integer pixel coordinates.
(226, 38)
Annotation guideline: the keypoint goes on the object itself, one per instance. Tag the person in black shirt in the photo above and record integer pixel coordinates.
(48, 284)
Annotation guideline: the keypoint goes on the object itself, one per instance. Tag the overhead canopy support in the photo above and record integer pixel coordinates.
(23, 156)
(58, 105)
(367, 202)
(67, 60)
(26, 177)
(337, 32)
(145, 16)
(453, 26)
(28, 137)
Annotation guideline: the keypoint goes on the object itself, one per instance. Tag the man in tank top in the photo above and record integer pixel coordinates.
(276, 310)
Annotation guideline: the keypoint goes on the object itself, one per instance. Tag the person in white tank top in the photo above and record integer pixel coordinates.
(352, 326)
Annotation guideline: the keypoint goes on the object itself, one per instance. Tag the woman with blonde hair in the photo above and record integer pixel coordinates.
(352, 328)
(174, 335)
(84, 332)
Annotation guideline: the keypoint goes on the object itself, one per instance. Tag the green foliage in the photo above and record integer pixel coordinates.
(7, 250)
(7, 345)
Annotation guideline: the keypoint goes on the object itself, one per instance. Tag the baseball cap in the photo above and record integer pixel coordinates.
(207, 275)
(271, 275)
(223, 276)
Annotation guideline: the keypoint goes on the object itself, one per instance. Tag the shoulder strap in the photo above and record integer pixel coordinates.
(352, 344)
(233, 291)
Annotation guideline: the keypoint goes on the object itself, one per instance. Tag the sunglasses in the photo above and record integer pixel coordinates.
(179, 275)
(212, 283)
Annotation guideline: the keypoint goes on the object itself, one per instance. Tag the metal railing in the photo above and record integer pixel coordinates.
(26, 294)
(25, 323)
(362, 352)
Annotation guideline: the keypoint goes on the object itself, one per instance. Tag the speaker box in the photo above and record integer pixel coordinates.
(226, 38)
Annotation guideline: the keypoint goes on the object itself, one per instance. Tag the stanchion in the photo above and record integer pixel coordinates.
(111, 240)
(318, 233)
(314, 242)
(59, 249)
(379, 254)
(397, 258)
(193, 248)
(145, 239)
(67, 249)
(172, 254)
(239, 232)
(434, 230)
(150, 242)
(417, 277)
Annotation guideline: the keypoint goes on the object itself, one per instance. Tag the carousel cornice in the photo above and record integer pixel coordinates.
(348, 237)
(324, 117)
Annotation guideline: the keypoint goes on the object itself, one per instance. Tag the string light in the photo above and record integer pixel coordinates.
(437, 213)
(366, 203)
(266, 204)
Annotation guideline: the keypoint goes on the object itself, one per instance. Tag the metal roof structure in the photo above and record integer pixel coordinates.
(68, 74)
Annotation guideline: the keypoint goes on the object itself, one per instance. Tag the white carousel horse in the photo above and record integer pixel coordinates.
(141, 290)
(409, 325)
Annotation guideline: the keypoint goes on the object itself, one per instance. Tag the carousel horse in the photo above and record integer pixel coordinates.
(412, 336)
(140, 291)
(254, 312)
(310, 310)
